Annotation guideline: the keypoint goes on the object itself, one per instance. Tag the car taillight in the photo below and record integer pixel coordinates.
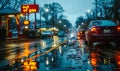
(118, 28)
(94, 30)
(78, 33)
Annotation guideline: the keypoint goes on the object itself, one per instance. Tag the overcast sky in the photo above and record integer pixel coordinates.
(73, 8)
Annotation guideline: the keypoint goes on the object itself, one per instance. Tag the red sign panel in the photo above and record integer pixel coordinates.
(29, 8)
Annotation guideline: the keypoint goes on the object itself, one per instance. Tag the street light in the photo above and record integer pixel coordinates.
(60, 21)
(88, 14)
(82, 23)
(47, 62)
(88, 11)
(46, 10)
(65, 26)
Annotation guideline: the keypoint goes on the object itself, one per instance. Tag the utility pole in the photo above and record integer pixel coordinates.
(40, 20)
(53, 14)
(96, 7)
(35, 16)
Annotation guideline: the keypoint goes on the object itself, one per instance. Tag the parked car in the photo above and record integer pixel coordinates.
(102, 31)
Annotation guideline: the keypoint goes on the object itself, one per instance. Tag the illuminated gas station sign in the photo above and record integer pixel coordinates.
(26, 22)
(29, 8)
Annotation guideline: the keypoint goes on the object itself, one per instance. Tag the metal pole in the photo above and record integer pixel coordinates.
(96, 7)
(53, 19)
(40, 24)
(40, 20)
(35, 15)
(28, 16)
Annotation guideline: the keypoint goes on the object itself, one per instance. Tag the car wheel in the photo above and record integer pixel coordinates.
(89, 46)
(118, 44)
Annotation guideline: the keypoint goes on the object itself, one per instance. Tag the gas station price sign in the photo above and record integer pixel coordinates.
(29, 8)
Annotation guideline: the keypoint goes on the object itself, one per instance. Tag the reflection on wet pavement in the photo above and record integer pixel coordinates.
(104, 57)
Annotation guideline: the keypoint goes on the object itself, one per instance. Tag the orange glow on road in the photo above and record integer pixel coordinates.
(29, 65)
(93, 62)
(26, 49)
(95, 69)
(117, 56)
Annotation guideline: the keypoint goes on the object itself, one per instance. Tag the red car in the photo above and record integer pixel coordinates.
(102, 31)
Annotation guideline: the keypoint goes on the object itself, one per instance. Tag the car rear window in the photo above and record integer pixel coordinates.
(103, 23)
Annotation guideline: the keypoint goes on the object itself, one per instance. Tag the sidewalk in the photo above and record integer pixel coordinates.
(20, 39)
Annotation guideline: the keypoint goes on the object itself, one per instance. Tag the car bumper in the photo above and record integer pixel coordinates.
(105, 38)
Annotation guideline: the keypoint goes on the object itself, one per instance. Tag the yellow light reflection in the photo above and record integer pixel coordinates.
(29, 65)
(11, 45)
(32, 63)
(26, 51)
(43, 44)
(55, 40)
(26, 63)
(47, 62)
(60, 49)
(33, 67)
(21, 15)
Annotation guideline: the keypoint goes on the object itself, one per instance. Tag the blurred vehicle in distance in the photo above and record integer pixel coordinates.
(62, 34)
(72, 38)
(102, 31)
(81, 34)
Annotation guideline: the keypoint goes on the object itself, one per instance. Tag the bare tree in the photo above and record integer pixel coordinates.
(14, 4)
(53, 10)
(109, 9)
(3, 3)
(116, 9)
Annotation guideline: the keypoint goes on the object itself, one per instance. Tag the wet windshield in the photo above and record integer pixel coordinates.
(53, 35)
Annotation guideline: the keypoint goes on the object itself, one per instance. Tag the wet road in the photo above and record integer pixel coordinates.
(105, 57)
(72, 56)
(12, 51)
(77, 57)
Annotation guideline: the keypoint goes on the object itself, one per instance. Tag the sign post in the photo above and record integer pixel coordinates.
(30, 8)
(26, 22)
